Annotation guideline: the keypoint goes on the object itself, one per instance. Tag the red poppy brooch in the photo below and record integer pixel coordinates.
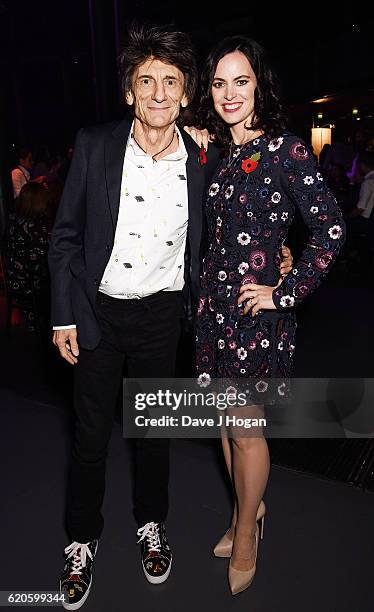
(250, 164)
(202, 156)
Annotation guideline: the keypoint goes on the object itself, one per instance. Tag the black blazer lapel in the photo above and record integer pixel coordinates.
(115, 147)
(195, 188)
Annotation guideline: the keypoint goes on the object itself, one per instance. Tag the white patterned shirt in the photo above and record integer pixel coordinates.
(20, 176)
(150, 238)
(366, 198)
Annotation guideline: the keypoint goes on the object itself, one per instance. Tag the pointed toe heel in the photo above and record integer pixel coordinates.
(223, 548)
(239, 580)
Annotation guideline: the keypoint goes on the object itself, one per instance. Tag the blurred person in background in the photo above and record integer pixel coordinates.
(360, 220)
(26, 249)
(22, 173)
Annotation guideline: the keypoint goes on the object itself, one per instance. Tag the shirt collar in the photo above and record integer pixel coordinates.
(369, 175)
(24, 170)
(179, 154)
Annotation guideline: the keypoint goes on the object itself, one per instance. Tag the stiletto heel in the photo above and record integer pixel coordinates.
(224, 547)
(262, 522)
(239, 580)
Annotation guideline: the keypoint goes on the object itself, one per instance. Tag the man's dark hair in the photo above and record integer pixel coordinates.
(161, 43)
(269, 115)
(21, 153)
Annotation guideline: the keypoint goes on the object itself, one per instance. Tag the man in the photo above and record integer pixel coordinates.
(22, 173)
(360, 221)
(365, 204)
(125, 249)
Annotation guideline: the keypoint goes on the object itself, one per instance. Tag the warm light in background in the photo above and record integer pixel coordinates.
(327, 98)
(320, 137)
(354, 111)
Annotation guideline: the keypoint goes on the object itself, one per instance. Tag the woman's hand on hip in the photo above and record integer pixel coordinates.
(257, 297)
(287, 261)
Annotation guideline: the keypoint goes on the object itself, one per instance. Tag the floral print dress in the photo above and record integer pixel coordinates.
(250, 206)
(26, 255)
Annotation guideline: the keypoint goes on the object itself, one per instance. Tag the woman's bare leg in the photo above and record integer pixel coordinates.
(250, 467)
(227, 452)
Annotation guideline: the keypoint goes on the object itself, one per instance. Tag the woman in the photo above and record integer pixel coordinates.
(26, 251)
(246, 323)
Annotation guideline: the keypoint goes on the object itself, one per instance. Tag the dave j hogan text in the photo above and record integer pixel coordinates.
(188, 421)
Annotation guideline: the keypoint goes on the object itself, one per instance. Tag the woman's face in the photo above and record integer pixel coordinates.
(233, 89)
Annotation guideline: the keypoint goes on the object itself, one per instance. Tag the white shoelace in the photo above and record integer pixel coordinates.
(79, 558)
(151, 532)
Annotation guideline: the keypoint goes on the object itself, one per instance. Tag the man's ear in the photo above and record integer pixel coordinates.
(184, 101)
(129, 98)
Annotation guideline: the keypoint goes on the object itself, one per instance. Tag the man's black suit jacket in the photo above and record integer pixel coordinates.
(84, 230)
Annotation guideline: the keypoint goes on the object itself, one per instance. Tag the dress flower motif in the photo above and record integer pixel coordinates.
(275, 144)
(287, 301)
(229, 191)
(257, 260)
(262, 386)
(244, 238)
(298, 151)
(241, 353)
(213, 189)
(204, 380)
(335, 232)
(243, 267)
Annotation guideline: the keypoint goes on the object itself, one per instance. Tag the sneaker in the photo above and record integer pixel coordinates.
(156, 553)
(76, 578)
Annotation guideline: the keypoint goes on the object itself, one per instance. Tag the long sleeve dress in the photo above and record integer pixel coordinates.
(250, 206)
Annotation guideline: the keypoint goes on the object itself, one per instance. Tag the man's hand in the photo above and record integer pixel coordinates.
(201, 137)
(259, 297)
(287, 261)
(66, 342)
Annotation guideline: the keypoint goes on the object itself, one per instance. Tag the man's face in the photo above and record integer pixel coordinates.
(157, 93)
(27, 162)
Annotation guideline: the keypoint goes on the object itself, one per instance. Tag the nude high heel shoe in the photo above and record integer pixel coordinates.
(240, 580)
(224, 546)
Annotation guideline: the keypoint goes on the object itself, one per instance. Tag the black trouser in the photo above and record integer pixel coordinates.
(144, 332)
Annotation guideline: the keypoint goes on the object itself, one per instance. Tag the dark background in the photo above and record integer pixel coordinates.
(57, 73)
(58, 59)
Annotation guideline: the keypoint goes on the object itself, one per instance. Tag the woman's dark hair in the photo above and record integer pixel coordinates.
(32, 201)
(162, 43)
(269, 115)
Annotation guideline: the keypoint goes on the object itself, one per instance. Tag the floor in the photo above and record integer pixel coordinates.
(316, 555)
